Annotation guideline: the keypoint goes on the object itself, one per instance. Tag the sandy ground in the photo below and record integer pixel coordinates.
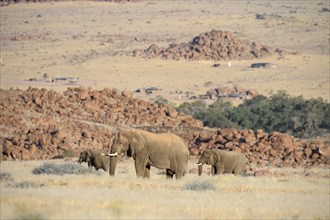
(287, 194)
(81, 39)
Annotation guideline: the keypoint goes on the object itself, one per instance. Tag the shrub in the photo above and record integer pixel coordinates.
(199, 186)
(24, 184)
(193, 108)
(61, 169)
(8, 181)
(280, 112)
(6, 177)
(161, 101)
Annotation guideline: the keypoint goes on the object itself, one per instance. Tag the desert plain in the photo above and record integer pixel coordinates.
(92, 41)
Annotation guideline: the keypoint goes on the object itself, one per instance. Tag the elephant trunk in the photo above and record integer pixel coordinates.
(200, 169)
(112, 166)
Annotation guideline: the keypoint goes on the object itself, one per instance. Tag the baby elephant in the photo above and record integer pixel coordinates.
(95, 159)
(223, 162)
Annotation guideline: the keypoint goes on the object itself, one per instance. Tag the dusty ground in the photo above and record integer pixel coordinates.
(80, 40)
(287, 194)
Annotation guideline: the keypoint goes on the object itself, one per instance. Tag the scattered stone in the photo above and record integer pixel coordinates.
(260, 17)
(263, 65)
(325, 10)
(235, 92)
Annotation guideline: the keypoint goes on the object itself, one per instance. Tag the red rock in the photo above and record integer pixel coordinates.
(315, 156)
(127, 94)
(33, 149)
(194, 151)
(308, 152)
(262, 173)
(25, 154)
(171, 113)
(213, 45)
(83, 94)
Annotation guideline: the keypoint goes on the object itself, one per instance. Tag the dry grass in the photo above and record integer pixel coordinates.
(95, 196)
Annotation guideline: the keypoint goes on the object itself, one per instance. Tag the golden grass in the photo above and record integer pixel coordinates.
(284, 196)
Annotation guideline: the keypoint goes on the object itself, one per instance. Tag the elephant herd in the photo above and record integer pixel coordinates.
(163, 151)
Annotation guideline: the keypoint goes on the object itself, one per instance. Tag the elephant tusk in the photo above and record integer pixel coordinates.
(198, 164)
(111, 155)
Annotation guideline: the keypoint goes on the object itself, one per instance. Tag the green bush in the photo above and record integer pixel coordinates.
(199, 186)
(193, 108)
(61, 169)
(6, 177)
(7, 180)
(25, 184)
(161, 101)
(280, 112)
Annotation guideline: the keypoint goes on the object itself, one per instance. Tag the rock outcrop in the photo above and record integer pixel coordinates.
(43, 124)
(213, 45)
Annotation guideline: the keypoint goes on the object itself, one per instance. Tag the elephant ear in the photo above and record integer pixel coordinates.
(136, 144)
(219, 159)
(214, 157)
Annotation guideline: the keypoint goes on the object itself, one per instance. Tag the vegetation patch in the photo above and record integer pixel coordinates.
(199, 186)
(7, 180)
(61, 169)
(6, 177)
(24, 184)
(303, 118)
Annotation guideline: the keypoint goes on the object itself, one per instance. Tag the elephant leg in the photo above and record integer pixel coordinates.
(213, 171)
(147, 171)
(169, 174)
(179, 174)
(219, 168)
(140, 165)
(239, 170)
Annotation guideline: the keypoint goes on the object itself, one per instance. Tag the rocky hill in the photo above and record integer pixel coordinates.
(43, 124)
(213, 45)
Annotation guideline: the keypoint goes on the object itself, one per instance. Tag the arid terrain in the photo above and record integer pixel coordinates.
(71, 71)
(287, 194)
(53, 38)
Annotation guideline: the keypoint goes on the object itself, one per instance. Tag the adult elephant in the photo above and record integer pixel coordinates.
(164, 151)
(223, 162)
(94, 159)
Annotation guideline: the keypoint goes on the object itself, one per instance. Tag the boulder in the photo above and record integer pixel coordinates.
(194, 151)
(25, 154)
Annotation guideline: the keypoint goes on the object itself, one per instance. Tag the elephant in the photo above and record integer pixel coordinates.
(94, 158)
(223, 161)
(163, 151)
